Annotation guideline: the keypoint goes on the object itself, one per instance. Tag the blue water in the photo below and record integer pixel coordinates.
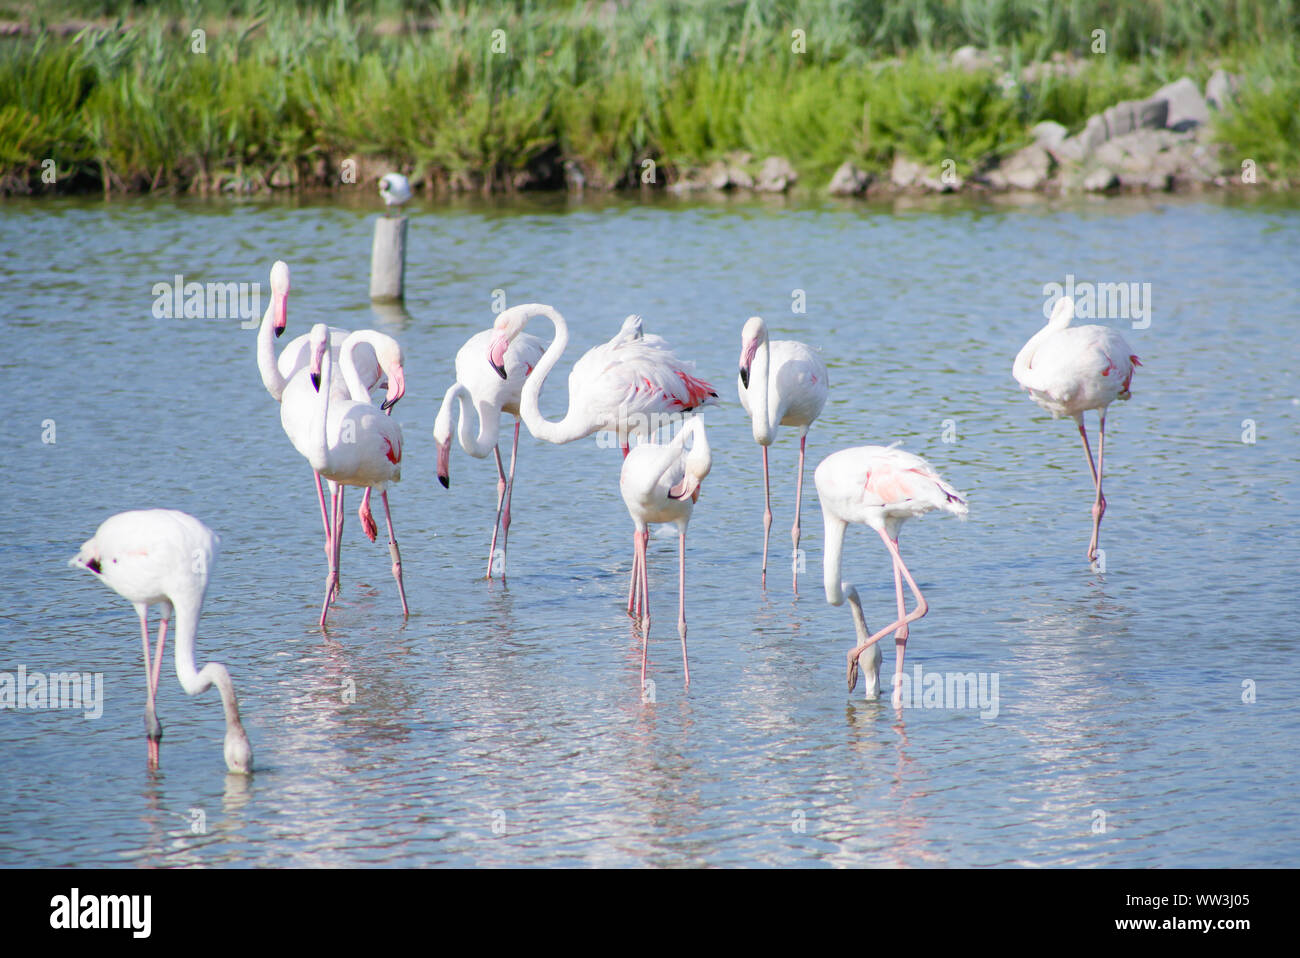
(504, 724)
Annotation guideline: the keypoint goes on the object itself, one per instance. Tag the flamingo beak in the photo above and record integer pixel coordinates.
(746, 360)
(689, 486)
(497, 353)
(282, 316)
(744, 376)
(444, 463)
(315, 381)
(396, 389)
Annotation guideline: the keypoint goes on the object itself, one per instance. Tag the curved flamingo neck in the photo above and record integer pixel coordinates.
(572, 426)
(762, 398)
(357, 389)
(266, 359)
(489, 422)
(192, 679)
(318, 452)
(1021, 369)
(833, 550)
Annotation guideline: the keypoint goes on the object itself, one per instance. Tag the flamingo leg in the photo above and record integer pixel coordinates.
(510, 491)
(681, 600)
(767, 514)
(152, 727)
(798, 501)
(898, 626)
(633, 594)
(331, 581)
(325, 519)
(1099, 504)
(501, 498)
(395, 553)
(642, 538)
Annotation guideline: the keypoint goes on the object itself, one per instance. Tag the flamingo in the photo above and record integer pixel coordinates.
(489, 396)
(396, 190)
(625, 385)
(883, 487)
(782, 383)
(1071, 369)
(163, 557)
(350, 443)
(661, 483)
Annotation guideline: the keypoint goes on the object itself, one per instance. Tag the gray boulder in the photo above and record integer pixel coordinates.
(1221, 89)
(905, 172)
(776, 175)
(1187, 108)
(1025, 169)
(849, 181)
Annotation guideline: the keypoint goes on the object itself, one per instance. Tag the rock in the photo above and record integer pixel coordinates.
(1025, 169)
(938, 184)
(1221, 89)
(776, 175)
(1187, 108)
(1100, 180)
(849, 181)
(905, 172)
(730, 174)
(1048, 133)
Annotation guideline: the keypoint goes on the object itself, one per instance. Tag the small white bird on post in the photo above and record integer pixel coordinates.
(395, 189)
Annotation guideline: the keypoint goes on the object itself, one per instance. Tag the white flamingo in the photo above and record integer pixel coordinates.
(661, 483)
(882, 487)
(782, 383)
(163, 557)
(626, 385)
(351, 443)
(1071, 369)
(489, 396)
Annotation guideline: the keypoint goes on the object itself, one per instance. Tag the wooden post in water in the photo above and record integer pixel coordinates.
(388, 260)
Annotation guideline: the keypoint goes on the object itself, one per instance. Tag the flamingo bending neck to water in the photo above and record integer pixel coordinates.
(163, 557)
(489, 396)
(882, 487)
(782, 383)
(662, 484)
(1071, 369)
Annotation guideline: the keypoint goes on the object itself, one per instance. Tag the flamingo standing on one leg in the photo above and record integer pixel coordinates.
(163, 557)
(1071, 369)
(782, 383)
(489, 396)
(297, 408)
(662, 484)
(882, 487)
(625, 385)
(353, 444)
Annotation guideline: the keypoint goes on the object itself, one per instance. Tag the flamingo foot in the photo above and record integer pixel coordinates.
(153, 732)
(367, 520)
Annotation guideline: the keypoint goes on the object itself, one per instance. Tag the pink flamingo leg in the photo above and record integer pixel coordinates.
(633, 594)
(642, 538)
(1099, 504)
(331, 581)
(798, 502)
(396, 554)
(501, 499)
(152, 727)
(510, 491)
(899, 626)
(324, 518)
(767, 514)
(681, 601)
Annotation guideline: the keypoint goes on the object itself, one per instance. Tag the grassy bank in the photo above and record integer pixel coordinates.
(283, 94)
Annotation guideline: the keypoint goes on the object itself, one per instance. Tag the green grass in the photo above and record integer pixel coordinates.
(127, 105)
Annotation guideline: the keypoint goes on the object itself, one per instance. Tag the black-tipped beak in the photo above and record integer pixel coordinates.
(388, 404)
(744, 377)
(279, 332)
(501, 370)
(315, 381)
(446, 481)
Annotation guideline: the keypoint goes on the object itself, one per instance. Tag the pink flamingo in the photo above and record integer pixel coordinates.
(882, 487)
(297, 409)
(1071, 369)
(629, 385)
(784, 383)
(162, 557)
(490, 396)
(662, 484)
(350, 443)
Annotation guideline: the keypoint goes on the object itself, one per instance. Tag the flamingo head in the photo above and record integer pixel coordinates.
(279, 296)
(699, 463)
(508, 325)
(319, 346)
(391, 361)
(751, 337)
(442, 438)
(1062, 313)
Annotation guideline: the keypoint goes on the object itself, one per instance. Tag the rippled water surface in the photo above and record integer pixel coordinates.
(504, 724)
